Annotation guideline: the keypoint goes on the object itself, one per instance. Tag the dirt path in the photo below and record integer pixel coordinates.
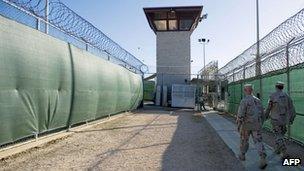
(147, 140)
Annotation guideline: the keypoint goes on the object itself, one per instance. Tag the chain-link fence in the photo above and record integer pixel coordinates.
(270, 45)
(210, 71)
(56, 19)
(282, 59)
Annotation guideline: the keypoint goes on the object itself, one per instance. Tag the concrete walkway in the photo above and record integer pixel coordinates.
(229, 134)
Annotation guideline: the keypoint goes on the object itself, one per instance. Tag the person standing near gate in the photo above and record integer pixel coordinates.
(201, 101)
(281, 112)
(250, 117)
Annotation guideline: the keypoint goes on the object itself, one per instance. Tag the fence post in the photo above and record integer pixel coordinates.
(38, 24)
(233, 76)
(197, 93)
(47, 16)
(244, 73)
(244, 77)
(260, 77)
(288, 79)
(87, 46)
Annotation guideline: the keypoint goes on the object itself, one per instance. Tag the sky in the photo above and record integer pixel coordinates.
(230, 26)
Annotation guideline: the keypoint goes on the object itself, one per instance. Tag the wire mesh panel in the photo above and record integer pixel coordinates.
(17, 15)
(231, 99)
(250, 71)
(297, 89)
(239, 75)
(56, 19)
(272, 42)
(297, 95)
(296, 54)
(238, 93)
(210, 71)
(274, 62)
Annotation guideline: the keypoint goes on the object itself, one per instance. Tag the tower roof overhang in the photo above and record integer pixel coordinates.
(182, 18)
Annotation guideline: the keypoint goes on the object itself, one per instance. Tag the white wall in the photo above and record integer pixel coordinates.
(173, 57)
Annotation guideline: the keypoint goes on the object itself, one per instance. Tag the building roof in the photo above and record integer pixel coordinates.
(182, 18)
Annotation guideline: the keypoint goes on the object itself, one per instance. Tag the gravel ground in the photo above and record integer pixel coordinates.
(150, 139)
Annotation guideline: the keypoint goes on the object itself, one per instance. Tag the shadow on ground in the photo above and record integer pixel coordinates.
(196, 146)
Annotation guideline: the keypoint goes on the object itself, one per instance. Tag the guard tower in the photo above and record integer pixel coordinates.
(173, 27)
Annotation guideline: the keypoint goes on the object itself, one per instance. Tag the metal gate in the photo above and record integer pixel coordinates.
(183, 95)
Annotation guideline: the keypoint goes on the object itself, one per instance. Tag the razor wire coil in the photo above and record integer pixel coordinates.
(56, 15)
(272, 49)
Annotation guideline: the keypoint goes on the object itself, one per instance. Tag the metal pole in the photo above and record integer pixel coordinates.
(38, 24)
(258, 59)
(46, 16)
(197, 93)
(233, 75)
(288, 79)
(218, 91)
(204, 49)
(87, 46)
(258, 71)
(287, 65)
(244, 73)
(244, 77)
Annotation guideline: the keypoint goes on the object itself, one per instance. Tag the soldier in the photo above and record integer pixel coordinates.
(201, 101)
(282, 112)
(249, 119)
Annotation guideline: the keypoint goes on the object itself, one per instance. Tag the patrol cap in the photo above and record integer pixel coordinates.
(280, 83)
(248, 86)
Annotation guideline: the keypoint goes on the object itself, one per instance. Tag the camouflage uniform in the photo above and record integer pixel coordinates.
(199, 99)
(282, 112)
(250, 118)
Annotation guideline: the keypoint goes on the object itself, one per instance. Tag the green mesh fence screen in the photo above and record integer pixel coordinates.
(268, 86)
(297, 89)
(45, 84)
(149, 90)
(234, 97)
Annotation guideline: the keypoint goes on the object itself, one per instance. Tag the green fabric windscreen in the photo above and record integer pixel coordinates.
(149, 90)
(268, 87)
(41, 78)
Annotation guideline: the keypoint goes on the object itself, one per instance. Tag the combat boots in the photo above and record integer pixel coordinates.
(242, 156)
(284, 154)
(263, 162)
(277, 150)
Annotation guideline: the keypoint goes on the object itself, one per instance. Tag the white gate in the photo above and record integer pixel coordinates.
(183, 95)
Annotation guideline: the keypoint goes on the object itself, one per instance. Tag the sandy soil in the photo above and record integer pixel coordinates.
(150, 139)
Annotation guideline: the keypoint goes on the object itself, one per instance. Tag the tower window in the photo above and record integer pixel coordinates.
(172, 24)
(161, 24)
(160, 15)
(185, 24)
